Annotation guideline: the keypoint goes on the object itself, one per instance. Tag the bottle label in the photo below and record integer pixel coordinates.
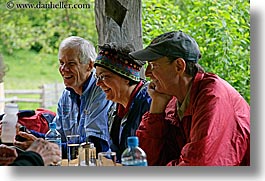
(58, 142)
(8, 128)
(140, 163)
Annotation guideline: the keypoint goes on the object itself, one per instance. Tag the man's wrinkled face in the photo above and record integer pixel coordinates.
(161, 73)
(73, 72)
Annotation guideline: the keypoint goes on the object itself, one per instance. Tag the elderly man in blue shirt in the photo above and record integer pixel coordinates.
(82, 107)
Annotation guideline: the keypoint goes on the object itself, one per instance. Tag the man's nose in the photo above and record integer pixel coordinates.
(64, 67)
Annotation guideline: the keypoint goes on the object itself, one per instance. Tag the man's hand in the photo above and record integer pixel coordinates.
(7, 154)
(25, 144)
(50, 152)
(159, 100)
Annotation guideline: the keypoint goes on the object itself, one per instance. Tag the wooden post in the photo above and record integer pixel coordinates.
(43, 96)
(119, 21)
(2, 98)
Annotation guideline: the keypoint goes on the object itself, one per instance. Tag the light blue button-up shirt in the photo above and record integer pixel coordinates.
(88, 119)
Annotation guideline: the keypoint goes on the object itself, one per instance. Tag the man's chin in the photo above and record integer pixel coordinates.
(67, 83)
(159, 90)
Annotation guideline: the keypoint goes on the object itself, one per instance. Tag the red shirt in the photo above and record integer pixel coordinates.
(215, 129)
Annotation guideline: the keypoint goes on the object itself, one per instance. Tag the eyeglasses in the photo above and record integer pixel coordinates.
(153, 66)
(100, 77)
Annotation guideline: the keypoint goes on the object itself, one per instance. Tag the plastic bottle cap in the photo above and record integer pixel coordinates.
(11, 108)
(132, 141)
(52, 125)
(92, 145)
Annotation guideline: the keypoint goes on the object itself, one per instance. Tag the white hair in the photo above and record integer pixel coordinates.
(86, 50)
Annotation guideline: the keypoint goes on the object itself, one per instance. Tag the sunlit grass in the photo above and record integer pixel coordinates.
(30, 70)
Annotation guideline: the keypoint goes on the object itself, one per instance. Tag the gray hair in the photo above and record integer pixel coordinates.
(86, 50)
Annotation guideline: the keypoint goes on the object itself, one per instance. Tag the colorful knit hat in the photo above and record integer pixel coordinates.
(117, 60)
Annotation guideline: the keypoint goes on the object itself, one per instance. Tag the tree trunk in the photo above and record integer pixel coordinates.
(119, 21)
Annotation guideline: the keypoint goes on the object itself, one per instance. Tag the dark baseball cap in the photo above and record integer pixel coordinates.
(175, 44)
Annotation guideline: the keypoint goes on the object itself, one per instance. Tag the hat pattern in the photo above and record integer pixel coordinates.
(125, 67)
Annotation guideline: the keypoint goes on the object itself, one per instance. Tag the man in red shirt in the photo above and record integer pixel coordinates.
(195, 118)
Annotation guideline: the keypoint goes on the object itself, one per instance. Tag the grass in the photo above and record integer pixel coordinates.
(30, 70)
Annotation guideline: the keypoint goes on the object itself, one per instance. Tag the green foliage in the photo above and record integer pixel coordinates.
(221, 28)
(43, 29)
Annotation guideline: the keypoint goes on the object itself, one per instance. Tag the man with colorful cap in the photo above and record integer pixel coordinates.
(118, 76)
(196, 118)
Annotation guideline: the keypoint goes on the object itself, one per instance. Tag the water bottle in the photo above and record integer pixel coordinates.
(9, 123)
(55, 137)
(133, 155)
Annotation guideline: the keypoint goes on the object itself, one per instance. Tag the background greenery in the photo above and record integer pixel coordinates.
(221, 28)
(43, 29)
(29, 38)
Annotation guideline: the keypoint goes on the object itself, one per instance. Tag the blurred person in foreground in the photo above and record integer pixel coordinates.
(39, 153)
(118, 76)
(196, 118)
(82, 108)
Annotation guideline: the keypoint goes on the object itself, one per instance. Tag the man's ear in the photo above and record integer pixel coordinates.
(90, 65)
(180, 65)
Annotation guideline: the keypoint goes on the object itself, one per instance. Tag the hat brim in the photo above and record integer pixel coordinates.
(146, 54)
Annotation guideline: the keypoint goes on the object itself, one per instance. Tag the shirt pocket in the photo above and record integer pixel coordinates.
(69, 118)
